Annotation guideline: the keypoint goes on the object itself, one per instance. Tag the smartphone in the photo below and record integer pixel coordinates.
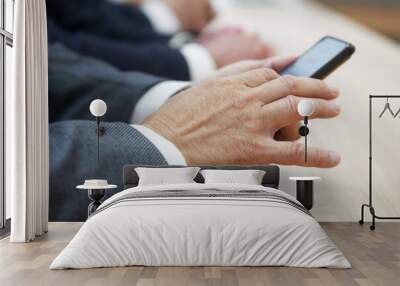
(321, 59)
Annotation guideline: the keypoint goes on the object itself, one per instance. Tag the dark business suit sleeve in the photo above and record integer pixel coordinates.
(155, 58)
(73, 159)
(74, 81)
(122, 22)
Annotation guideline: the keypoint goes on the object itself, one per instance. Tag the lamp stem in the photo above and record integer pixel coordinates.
(98, 137)
(305, 139)
(305, 151)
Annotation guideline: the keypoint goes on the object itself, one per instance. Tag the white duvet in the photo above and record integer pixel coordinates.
(200, 231)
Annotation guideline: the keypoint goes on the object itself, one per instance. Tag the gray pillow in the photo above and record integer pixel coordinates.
(166, 176)
(246, 177)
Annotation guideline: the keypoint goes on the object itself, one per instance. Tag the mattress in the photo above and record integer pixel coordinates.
(201, 225)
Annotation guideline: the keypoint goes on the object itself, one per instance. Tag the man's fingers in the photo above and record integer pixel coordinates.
(283, 112)
(279, 63)
(240, 67)
(299, 86)
(292, 153)
(275, 63)
(288, 133)
(256, 77)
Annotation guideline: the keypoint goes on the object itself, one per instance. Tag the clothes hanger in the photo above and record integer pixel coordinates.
(387, 107)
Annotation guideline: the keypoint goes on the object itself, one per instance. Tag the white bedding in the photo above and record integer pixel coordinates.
(200, 231)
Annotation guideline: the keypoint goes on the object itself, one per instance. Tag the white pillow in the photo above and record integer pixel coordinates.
(165, 176)
(248, 177)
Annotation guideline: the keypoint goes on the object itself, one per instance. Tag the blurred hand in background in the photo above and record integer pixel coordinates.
(193, 58)
(194, 15)
(231, 45)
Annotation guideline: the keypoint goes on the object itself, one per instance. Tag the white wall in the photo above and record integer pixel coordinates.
(374, 69)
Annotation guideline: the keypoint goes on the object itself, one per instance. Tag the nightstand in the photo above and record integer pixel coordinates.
(96, 191)
(305, 190)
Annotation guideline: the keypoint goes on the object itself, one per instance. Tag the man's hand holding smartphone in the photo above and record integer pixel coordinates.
(246, 115)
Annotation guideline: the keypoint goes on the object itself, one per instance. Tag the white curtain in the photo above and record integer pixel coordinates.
(27, 124)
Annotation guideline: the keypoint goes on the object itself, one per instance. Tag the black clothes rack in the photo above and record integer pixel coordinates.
(370, 205)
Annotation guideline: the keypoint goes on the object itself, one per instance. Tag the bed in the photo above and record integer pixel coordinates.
(201, 224)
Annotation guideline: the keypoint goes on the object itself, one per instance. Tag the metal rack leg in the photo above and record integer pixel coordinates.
(372, 210)
(374, 216)
(361, 221)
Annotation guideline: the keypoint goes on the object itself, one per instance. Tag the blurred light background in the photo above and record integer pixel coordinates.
(380, 15)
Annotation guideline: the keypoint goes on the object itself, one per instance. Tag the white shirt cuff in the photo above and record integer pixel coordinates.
(168, 150)
(200, 62)
(161, 17)
(156, 96)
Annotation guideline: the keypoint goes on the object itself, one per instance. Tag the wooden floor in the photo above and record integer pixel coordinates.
(375, 257)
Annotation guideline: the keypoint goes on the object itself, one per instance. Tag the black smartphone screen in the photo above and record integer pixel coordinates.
(321, 59)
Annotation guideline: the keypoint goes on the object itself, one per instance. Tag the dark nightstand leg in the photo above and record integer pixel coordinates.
(95, 196)
(305, 193)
